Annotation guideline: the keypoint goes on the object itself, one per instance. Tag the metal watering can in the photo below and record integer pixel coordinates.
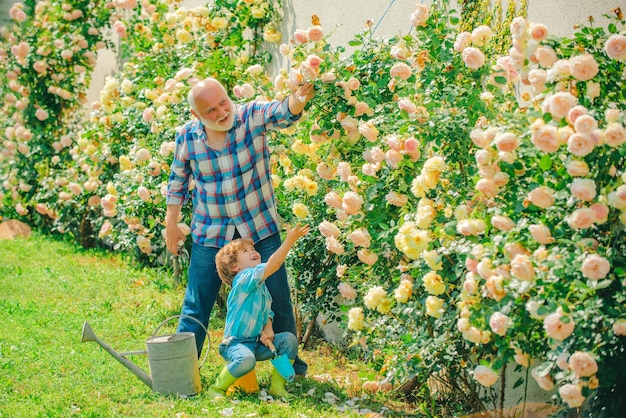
(173, 360)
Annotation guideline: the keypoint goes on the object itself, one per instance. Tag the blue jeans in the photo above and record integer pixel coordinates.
(203, 285)
(243, 353)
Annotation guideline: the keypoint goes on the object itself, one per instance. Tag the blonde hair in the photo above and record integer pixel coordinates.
(226, 259)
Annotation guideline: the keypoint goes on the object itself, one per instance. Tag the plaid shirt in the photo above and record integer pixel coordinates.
(248, 307)
(233, 186)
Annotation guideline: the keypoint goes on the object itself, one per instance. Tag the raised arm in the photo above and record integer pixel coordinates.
(300, 97)
(278, 258)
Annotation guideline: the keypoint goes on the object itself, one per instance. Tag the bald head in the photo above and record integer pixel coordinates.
(206, 87)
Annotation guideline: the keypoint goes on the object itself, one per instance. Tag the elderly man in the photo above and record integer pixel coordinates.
(226, 153)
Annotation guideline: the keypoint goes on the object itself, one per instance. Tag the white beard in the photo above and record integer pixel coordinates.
(220, 127)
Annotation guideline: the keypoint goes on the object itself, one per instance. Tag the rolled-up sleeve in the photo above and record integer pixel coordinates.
(180, 172)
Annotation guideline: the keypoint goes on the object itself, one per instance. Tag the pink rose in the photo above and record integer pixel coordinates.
(538, 31)
(546, 139)
(329, 229)
(546, 56)
(583, 364)
(353, 83)
(615, 47)
(407, 105)
(119, 28)
(367, 256)
(583, 67)
(560, 104)
(513, 249)
(419, 16)
(582, 218)
(595, 267)
(481, 35)
(325, 171)
(468, 227)
(352, 203)
(556, 328)
(544, 380)
(584, 189)
(360, 238)
(462, 41)
(148, 114)
(577, 168)
(499, 323)
(332, 199)
(541, 234)
(41, 114)
(619, 327)
(473, 58)
(537, 78)
(369, 131)
(393, 158)
(506, 142)
(301, 36)
(314, 61)
(614, 135)
(503, 223)
(585, 124)
(522, 268)
(601, 212)
(344, 170)
(542, 197)
(315, 33)
(401, 70)
(334, 246)
(580, 144)
(487, 187)
(575, 112)
(396, 199)
(572, 395)
(346, 291)
(519, 28)
(485, 375)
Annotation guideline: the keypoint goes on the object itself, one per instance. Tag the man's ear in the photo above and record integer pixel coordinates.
(193, 112)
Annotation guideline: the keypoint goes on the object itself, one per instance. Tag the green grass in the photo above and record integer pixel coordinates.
(49, 288)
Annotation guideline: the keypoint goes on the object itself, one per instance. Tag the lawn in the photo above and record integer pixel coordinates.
(49, 288)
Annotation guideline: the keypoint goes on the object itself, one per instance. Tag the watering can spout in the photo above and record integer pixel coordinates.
(89, 335)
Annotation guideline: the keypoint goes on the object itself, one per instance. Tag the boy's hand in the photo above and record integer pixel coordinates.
(297, 231)
(267, 334)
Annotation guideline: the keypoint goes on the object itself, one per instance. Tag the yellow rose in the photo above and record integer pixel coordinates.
(300, 211)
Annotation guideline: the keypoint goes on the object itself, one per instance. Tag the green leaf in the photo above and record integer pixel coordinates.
(545, 163)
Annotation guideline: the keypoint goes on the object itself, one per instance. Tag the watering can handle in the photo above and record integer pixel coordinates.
(190, 317)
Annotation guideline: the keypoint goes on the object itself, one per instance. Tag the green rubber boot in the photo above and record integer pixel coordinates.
(218, 389)
(277, 386)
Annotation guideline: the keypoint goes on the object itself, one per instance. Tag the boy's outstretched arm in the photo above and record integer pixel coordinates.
(278, 258)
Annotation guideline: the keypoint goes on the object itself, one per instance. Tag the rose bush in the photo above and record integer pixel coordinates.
(466, 179)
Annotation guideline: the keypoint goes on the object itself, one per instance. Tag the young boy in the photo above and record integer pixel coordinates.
(248, 330)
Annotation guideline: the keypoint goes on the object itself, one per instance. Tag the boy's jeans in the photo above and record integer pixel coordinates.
(243, 353)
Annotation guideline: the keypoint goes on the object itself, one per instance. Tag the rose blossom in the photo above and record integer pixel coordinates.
(560, 104)
(329, 229)
(580, 144)
(487, 187)
(300, 36)
(545, 56)
(419, 16)
(615, 47)
(614, 135)
(583, 364)
(582, 218)
(481, 35)
(546, 139)
(334, 246)
(538, 31)
(601, 212)
(585, 124)
(583, 67)
(522, 268)
(503, 223)
(544, 380)
(499, 323)
(332, 199)
(577, 168)
(572, 395)
(473, 58)
(595, 267)
(352, 203)
(462, 41)
(360, 238)
(315, 33)
(576, 112)
(542, 197)
(541, 234)
(407, 105)
(356, 319)
(346, 290)
(506, 142)
(557, 329)
(584, 189)
(485, 375)
(619, 327)
(367, 256)
(400, 70)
